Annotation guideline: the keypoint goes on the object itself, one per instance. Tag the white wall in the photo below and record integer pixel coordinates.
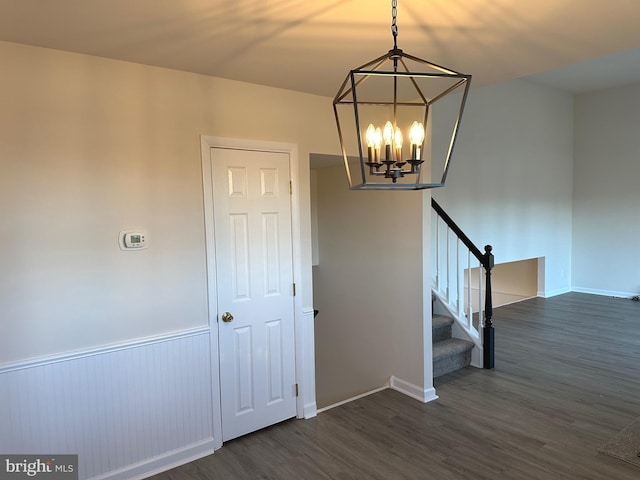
(606, 195)
(510, 181)
(369, 290)
(91, 146)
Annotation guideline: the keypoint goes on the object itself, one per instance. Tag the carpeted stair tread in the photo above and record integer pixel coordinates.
(441, 321)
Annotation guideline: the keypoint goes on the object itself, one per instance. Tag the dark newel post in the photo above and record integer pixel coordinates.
(487, 340)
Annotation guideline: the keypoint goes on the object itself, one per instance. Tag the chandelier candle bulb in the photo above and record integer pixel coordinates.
(398, 144)
(416, 135)
(371, 134)
(387, 134)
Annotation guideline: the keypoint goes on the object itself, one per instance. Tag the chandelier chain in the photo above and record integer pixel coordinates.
(394, 25)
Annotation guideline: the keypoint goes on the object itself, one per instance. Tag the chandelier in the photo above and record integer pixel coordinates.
(388, 99)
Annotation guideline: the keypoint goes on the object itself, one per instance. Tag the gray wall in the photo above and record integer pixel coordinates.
(606, 195)
(368, 288)
(510, 185)
(510, 182)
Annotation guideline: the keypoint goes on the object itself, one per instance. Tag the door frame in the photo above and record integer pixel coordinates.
(304, 337)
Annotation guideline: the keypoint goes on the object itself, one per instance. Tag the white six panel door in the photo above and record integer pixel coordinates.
(254, 276)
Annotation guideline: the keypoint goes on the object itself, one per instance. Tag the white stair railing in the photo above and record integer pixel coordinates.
(462, 285)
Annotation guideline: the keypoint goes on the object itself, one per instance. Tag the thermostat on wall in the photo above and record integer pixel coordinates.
(133, 240)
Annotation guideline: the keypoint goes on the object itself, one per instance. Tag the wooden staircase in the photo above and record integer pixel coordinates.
(449, 354)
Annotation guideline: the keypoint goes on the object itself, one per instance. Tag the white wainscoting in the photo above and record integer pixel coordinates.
(128, 410)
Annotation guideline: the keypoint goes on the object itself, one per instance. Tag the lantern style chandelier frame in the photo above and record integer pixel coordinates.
(397, 90)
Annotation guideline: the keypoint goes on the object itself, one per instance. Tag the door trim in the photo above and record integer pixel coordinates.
(303, 318)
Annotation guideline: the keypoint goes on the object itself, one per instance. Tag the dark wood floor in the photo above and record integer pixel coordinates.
(567, 379)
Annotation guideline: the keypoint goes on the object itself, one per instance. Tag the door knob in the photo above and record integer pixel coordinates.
(227, 317)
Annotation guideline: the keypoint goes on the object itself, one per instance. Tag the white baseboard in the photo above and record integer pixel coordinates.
(521, 299)
(395, 383)
(161, 463)
(606, 293)
(310, 410)
(554, 293)
(351, 399)
(423, 395)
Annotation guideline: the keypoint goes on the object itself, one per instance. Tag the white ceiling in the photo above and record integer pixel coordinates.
(309, 46)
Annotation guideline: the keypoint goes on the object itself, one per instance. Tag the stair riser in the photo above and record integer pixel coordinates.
(441, 333)
(450, 363)
(449, 354)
